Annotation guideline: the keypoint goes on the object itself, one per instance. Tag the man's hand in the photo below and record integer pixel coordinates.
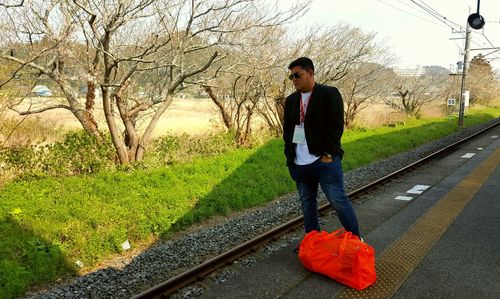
(326, 159)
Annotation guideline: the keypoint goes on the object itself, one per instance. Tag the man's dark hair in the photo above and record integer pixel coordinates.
(303, 62)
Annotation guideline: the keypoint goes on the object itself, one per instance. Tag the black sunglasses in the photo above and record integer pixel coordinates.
(296, 75)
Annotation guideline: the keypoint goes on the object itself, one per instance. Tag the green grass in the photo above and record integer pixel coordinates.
(48, 224)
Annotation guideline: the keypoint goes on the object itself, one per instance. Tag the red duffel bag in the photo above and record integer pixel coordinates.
(339, 255)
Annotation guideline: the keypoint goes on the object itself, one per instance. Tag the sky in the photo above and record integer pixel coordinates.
(416, 37)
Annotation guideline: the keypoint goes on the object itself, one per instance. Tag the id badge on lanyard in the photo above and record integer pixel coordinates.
(299, 135)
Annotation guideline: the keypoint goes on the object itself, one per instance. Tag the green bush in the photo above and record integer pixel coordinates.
(171, 149)
(80, 153)
(77, 153)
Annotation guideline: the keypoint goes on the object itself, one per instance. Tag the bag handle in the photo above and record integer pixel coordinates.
(338, 232)
(344, 243)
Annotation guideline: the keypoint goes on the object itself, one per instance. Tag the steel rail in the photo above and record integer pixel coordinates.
(200, 271)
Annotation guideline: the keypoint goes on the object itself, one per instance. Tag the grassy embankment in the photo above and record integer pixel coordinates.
(47, 225)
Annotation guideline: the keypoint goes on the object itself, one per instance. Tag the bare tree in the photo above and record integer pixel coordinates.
(249, 83)
(40, 38)
(140, 53)
(237, 105)
(416, 91)
(361, 87)
(336, 49)
(7, 92)
(272, 107)
(249, 95)
(276, 86)
(365, 78)
(268, 62)
(6, 89)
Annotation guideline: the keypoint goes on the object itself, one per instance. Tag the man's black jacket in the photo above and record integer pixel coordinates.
(323, 124)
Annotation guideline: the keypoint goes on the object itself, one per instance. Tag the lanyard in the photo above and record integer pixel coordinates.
(303, 107)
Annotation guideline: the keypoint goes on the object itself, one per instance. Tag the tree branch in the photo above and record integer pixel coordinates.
(30, 64)
(40, 110)
(192, 73)
(13, 5)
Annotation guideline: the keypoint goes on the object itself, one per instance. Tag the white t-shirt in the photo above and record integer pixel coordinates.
(302, 155)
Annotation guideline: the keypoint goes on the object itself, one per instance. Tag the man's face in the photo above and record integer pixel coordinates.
(302, 80)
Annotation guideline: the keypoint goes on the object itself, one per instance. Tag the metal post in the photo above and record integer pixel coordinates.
(464, 73)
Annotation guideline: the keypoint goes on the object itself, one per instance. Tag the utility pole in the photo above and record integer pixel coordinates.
(464, 73)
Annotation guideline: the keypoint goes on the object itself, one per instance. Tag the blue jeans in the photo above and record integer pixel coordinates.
(331, 179)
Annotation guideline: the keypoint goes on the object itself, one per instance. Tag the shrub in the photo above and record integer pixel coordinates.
(77, 153)
(171, 149)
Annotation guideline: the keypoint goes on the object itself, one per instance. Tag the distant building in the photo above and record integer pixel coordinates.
(416, 72)
(42, 91)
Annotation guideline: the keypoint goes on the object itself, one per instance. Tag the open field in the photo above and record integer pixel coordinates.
(197, 116)
(192, 116)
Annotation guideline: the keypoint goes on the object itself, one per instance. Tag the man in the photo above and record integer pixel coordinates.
(313, 126)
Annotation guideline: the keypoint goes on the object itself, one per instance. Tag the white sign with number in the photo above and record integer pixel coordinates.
(451, 102)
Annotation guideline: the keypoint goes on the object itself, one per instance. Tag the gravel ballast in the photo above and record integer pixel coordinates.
(165, 260)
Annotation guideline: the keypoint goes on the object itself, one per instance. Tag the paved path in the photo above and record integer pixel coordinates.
(460, 256)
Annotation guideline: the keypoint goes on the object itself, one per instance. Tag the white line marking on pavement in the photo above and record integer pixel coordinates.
(407, 198)
(468, 155)
(417, 189)
(411, 191)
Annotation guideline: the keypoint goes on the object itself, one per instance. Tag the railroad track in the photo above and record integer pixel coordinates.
(199, 272)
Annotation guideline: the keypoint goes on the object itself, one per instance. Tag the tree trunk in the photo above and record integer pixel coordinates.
(89, 109)
(113, 129)
(279, 102)
(225, 115)
(144, 141)
(85, 117)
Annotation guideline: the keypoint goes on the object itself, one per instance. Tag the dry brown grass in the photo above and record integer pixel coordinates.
(198, 116)
(183, 116)
(191, 116)
(378, 114)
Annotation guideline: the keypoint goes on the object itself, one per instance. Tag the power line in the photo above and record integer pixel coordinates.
(415, 9)
(490, 43)
(407, 12)
(496, 57)
(443, 20)
(435, 14)
(441, 15)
